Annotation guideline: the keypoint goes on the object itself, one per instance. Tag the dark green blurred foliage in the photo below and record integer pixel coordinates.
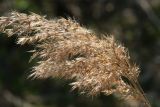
(135, 23)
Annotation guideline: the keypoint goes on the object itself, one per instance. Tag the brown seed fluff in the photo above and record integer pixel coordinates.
(65, 49)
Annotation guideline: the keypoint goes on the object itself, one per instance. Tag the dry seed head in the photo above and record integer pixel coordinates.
(70, 51)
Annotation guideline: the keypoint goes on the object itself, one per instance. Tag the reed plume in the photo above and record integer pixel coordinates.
(96, 63)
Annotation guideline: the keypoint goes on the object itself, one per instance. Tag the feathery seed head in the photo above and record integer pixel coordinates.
(70, 51)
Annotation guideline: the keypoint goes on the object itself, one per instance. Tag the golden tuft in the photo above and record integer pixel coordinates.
(67, 50)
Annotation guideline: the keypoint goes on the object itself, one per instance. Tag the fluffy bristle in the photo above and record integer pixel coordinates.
(67, 50)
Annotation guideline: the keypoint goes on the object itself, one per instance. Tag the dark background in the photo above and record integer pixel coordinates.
(135, 23)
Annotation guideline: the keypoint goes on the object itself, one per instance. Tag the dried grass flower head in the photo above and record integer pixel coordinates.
(67, 50)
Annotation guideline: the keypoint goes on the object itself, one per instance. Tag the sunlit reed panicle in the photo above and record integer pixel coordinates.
(95, 63)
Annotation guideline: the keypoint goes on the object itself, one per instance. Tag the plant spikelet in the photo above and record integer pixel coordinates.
(96, 63)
